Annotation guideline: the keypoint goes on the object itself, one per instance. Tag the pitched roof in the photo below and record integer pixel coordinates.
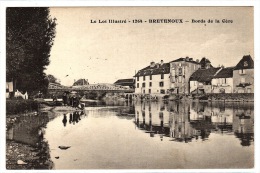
(81, 82)
(124, 82)
(187, 59)
(204, 75)
(245, 63)
(204, 61)
(225, 73)
(157, 69)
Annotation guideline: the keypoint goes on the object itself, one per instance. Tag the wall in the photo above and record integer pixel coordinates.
(155, 88)
(231, 96)
(188, 68)
(193, 85)
(249, 78)
(219, 84)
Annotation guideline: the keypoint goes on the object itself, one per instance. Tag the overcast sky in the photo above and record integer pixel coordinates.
(103, 53)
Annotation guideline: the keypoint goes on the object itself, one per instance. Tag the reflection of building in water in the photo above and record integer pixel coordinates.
(184, 122)
(180, 127)
(222, 118)
(153, 118)
(25, 129)
(243, 125)
(216, 118)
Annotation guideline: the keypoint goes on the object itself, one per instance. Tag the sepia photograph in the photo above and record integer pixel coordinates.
(129, 87)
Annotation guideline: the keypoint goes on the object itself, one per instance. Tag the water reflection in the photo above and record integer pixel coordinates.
(27, 129)
(74, 117)
(188, 122)
(64, 121)
(215, 132)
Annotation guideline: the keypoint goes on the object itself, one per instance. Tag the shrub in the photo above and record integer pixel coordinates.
(16, 106)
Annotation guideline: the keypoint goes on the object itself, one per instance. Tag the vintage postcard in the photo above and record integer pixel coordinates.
(130, 87)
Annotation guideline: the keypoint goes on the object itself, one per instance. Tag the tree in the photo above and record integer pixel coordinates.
(30, 34)
(52, 79)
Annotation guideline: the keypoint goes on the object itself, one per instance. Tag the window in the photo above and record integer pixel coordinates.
(137, 78)
(180, 79)
(162, 91)
(137, 85)
(149, 91)
(173, 72)
(143, 78)
(173, 75)
(243, 80)
(180, 71)
(225, 80)
(150, 84)
(162, 76)
(172, 79)
(144, 91)
(161, 84)
(143, 85)
(151, 77)
(242, 71)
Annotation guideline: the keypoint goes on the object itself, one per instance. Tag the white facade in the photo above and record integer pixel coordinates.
(154, 84)
(222, 85)
(193, 85)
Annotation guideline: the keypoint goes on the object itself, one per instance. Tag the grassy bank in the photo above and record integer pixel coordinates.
(20, 106)
(25, 150)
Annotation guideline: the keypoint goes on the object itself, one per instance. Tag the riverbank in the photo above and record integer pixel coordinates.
(58, 109)
(28, 151)
(21, 156)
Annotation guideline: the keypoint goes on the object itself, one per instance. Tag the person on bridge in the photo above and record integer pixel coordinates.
(71, 101)
(64, 98)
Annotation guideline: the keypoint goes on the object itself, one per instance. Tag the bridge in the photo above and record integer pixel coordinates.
(93, 90)
(91, 87)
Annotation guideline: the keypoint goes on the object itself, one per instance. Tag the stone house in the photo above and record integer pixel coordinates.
(243, 75)
(153, 79)
(180, 71)
(222, 82)
(201, 80)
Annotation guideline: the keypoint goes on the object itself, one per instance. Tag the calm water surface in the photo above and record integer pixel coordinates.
(150, 136)
(154, 135)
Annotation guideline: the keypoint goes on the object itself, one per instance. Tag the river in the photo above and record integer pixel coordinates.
(153, 135)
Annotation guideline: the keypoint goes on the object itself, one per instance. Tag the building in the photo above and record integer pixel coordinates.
(181, 70)
(201, 80)
(56, 86)
(153, 79)
(81, 82)
(125, 82)
(205, 63)
(222, 82)
(243, 75)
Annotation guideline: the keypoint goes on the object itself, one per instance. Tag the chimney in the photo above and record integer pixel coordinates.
(187, 58)
(152, 64)
(161, 62)
(197, 60)
(190, 59)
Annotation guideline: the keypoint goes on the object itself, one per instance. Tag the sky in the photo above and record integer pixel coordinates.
(106, 52)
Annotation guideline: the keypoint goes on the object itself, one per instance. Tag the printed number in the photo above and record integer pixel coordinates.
(137, 21)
